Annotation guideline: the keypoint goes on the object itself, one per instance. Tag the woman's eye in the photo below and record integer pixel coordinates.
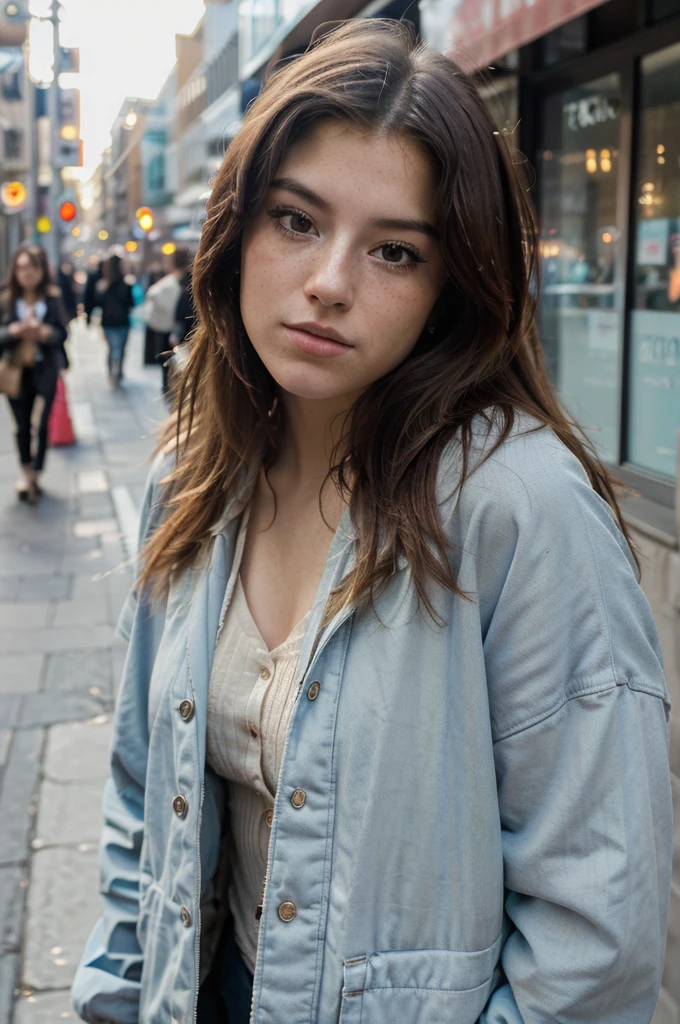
(397, 255)
(296, 222)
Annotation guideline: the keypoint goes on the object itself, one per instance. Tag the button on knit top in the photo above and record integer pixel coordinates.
(250, 703)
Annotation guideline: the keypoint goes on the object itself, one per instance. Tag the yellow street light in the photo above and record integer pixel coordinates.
(169, 248)
(103, 235)
(14, 194)
(75, 231)
(44, 225)
(146, 222)
(131, 246)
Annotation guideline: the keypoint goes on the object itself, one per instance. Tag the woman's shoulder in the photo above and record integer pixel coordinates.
(521, 482)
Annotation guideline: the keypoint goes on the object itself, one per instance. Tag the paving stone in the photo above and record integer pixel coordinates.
(23, 616)
(62, 909)
(10, 709)
(9, 587)
(44, 588)
(79, 670)
(45, 1008)
(20, 673)
(79, 750)
(69, 813)
(18, 789)
(5, 737)
(88, 585)
(12, 898)
(51, 708)
(50, 638)
(9, 974)
(92, 610)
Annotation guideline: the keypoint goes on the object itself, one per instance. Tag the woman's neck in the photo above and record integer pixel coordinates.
(30, 298)
(312, 428)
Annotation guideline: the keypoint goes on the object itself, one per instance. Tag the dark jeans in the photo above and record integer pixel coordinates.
(35, 382)
(116, 338)
(227, 992)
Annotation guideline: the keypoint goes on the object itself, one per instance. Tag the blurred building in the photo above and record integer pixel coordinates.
(16, 137)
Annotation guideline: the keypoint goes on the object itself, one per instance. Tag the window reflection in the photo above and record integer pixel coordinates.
(655, 324)
(578, 318)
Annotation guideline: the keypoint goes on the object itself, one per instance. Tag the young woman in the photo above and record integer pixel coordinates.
(32, 329)
(112, 293)
(391, 736)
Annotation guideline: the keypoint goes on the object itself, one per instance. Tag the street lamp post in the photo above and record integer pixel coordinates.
(53, 107)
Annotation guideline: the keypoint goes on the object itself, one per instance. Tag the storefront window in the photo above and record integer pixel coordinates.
(578, 316)
(654, 417)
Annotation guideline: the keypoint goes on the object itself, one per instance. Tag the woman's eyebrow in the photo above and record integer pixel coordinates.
(400, 224)
(298, 189)
(384, 223)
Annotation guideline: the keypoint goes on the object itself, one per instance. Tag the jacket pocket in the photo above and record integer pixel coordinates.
(421, 986)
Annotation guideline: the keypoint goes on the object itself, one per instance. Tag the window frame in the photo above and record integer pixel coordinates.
(623, 57)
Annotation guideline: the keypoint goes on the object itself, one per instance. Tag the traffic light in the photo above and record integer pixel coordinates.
(67, 211)
(145, 218)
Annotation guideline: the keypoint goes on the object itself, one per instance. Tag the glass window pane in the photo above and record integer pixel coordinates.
(578, 316)
(654, 384)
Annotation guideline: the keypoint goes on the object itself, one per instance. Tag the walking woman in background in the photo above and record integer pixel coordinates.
(32, 336)
(113, 295)
(391, 741)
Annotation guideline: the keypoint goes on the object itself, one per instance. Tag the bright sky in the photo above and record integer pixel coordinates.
(127, 48)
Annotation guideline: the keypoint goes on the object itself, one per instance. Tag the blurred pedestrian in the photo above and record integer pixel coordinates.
(151, 349)
(185, 324)
(68, 289)
(32, 335)
(160, 304)
(110, 292)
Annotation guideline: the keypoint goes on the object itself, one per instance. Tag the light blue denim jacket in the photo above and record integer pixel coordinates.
(487, 831)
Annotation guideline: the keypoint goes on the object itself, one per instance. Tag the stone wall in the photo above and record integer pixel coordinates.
(661, 583)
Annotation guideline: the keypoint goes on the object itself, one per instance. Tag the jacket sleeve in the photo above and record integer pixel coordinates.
(107, 983)
(57, 319)
(579, 710)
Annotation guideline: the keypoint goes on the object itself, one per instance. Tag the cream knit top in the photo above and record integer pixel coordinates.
(250, 703)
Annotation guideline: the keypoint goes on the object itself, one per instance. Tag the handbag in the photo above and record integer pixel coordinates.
(12, 365)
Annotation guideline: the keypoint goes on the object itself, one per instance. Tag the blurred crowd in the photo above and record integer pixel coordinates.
(36, 306)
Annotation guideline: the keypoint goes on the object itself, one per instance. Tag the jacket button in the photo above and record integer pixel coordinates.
(265, 673)
(186, 917)
(298, 798)
(186, 709)
(269, 816)
(313, 691)
(180, 806)
(287, 911)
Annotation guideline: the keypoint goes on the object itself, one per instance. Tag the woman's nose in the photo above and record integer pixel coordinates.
(330, 280)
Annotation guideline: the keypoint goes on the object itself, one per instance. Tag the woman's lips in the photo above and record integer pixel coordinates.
(314, 345)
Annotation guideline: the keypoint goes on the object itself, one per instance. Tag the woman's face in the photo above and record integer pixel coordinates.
(341, 266)
(27, 274)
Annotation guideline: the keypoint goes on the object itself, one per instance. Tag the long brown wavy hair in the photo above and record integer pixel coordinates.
(484, 357)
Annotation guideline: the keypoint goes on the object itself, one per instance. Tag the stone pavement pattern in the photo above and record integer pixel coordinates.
(64, 573)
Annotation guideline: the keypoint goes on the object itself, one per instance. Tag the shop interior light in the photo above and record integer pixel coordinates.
(605, 160)
(660, 149)
(131, 246)
(169, 248)
(607, 237)
(75, 231)
(103, 235)
(661, 159)
(591, 161)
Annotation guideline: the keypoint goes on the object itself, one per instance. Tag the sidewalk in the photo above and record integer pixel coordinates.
(64, 572)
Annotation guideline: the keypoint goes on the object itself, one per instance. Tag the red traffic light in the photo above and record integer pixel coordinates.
(67, 211)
